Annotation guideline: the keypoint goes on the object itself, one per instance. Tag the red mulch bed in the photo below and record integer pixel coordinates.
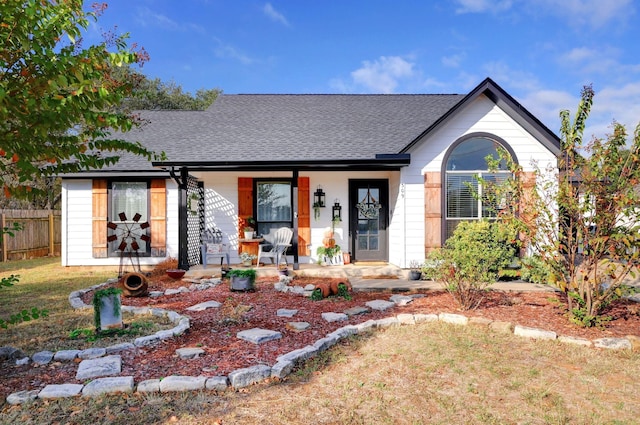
(224, 352)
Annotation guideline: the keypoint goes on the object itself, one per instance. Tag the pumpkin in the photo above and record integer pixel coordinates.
(328, 242)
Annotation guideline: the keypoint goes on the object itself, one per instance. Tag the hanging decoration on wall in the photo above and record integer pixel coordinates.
(128, 233)
(368, 206)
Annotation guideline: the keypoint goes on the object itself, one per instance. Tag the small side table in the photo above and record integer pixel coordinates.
(250, 246)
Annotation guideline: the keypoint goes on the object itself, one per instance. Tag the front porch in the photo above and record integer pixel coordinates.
(368, 277)
(362, 276)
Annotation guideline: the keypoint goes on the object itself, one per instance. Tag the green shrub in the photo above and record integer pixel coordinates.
(535, 270)
(472, 259)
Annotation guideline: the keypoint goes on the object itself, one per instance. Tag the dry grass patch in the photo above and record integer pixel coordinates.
(431, 373)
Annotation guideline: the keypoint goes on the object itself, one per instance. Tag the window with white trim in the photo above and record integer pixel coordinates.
(464, 198)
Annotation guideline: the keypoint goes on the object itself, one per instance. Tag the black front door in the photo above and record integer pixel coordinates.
(368, 206)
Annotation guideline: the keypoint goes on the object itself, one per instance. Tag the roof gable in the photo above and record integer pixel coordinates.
(508, 104)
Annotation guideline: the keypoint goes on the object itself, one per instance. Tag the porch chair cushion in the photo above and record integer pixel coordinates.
(277, 241)
(213, 247)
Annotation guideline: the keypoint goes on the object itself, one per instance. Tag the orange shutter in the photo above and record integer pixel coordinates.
(99, 218)
(245, 202)
(158, 218)
(432, 211)
(304, 216)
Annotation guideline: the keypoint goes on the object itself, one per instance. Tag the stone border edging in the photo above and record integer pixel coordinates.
(286, 363)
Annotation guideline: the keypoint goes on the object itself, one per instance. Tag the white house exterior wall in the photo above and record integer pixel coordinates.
(221, 200)
(76, 226)
(427, 155)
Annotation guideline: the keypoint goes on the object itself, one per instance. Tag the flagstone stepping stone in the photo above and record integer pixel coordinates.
(189, 352)
(95, 368)
(380, 305)
(66, 355)
(612, 343)
(156, 294)
(258, 336)
(22, 397)
(205, 305)
(174, 291)
(42, 357)
(92, 353)
(149, 386)
(120, 347)
(298, 326)
(117, 384)
(400, 299)
(334, 317)
(240, 378)
(354, 311)
(11, 353)
(60, 390)
(283, 312)
(182, 383)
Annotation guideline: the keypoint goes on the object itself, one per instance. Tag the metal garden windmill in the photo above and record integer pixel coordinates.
(128, 233)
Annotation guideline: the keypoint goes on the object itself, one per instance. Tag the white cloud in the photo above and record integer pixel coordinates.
(224, 50)
(274, 15)
(384, 74)
(480, 6)
(595, 13)
(575, 13)
(453, 61)
(147, 17)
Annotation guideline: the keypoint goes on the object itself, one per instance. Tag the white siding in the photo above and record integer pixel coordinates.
(482, 115)
(221, 198)
(77, 216)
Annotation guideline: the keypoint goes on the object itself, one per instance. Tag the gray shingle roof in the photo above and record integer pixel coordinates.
(289, 127)
(265, 128)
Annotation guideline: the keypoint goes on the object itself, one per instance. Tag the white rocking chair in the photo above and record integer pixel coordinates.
(275, 248)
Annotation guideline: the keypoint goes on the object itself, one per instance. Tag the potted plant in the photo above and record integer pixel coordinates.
(415, 270)
(327, 254)
(242, 279)
(248, 228)
(106, 309)
(247, 258)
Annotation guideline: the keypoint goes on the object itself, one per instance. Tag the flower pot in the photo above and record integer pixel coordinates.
(134, 285)
(241, 283)
(283, 272)
(246, 263)
(176, 273)
(248, 235)
(415, 275)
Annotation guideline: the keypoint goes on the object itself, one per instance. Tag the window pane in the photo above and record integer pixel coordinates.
(491, 202)
(129, 198)
(471, 154)
(274, 201)
(461, 190)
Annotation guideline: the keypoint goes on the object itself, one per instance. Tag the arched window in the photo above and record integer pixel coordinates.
(464, 163)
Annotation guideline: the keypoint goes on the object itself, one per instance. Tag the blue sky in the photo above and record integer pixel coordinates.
(540, 51)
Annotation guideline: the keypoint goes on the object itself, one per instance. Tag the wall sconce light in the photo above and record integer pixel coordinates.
(318, 197)
(337, 211)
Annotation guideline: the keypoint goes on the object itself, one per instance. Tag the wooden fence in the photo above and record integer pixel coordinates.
(41, 234)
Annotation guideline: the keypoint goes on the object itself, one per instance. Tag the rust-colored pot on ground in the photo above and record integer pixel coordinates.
(134, 285)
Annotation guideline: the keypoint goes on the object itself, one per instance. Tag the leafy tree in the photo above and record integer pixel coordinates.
(583, 218)
(58, 99)
(153, 94)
